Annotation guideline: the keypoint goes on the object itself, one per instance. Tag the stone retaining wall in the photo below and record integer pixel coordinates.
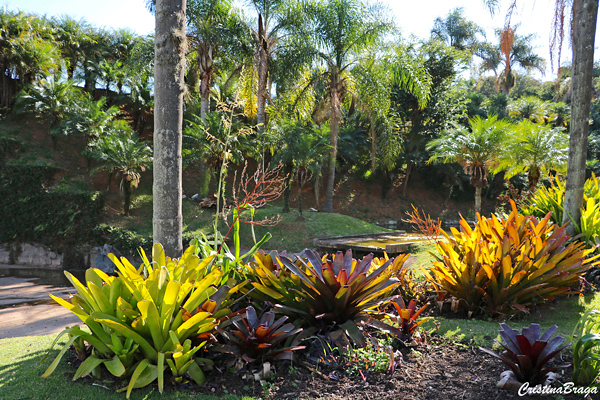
(41, 256)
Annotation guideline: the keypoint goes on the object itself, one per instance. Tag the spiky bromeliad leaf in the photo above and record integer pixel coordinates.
(527, 354)
(504, 266)
(144, 319)
(322, 292)
(255, 338)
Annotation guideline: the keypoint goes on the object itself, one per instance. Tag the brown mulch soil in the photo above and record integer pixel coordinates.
(440, 371)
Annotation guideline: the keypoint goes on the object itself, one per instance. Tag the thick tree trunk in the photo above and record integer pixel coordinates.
(585, 13)
(333, 137)
(478, 199)
(169, 87)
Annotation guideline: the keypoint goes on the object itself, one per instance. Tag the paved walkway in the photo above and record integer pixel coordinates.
(27, 310)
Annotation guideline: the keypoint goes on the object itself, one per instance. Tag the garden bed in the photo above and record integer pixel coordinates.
(436, 370)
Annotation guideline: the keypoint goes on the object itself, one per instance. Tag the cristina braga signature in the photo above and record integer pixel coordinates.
(567, 388)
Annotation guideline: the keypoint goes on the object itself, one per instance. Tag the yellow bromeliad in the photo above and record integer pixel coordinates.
(503, 266)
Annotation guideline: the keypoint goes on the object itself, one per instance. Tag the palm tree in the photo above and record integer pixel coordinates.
(584, 19)
(342, 29)
(210, 142)
(71, 36)
(302, 148)
(511, 51)
(530, 108)
(536, 149)
(477, 149)
(280, 23)
(122, 153)
(51, 98)
(456, 31)
(374, 80)
(218, 35)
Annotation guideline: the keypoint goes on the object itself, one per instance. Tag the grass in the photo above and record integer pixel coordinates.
(21, 371)
(565, 313)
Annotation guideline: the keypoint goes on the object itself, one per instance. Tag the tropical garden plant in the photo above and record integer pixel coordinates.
(528, 354)
(122, 153)
(507, 265)
(535, 149)
(551, 200)
(342, 28)
(408, 320)
(324, 293)
(146, 319)
(586, 350)
(476, 149)
(252, 338)
(51, 98)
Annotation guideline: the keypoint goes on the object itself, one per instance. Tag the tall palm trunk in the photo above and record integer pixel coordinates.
(289, 168)
(533, 177)
(336, 114)
(478, 199)
(585, 14)
(205, 61)
(373, 134)
(169, 69)
(263, 68)
(261, 98)
(126, 194)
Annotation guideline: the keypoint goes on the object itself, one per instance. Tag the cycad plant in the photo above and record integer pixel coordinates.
(476, 149)
(122, 153)
(536, 149)
(51, 98)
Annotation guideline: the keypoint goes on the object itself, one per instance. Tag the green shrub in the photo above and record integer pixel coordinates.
(146, 319)
(126, 241)
(504, 266)
(551, 199)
